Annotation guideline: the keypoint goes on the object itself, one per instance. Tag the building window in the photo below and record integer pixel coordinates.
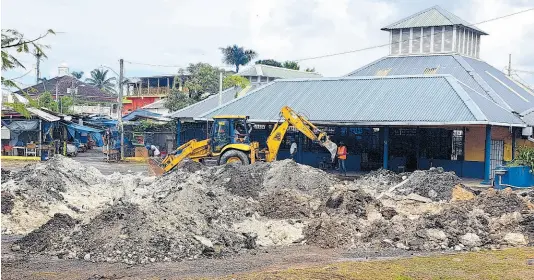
(427, 31)
(405, 41)
(430, 71)
(264, 79)
(416, 40)
(438, 33)
(448, 39)
(383, 72)
(395, 35)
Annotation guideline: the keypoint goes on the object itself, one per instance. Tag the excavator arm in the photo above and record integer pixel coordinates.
(195, 150)
(301, 124)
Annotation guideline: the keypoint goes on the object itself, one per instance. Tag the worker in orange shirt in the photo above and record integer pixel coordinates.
(341, 157)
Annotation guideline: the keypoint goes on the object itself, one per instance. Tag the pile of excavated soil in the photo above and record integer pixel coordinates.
(197, 211)
(434, 183)
(60, 185)
(378, 181)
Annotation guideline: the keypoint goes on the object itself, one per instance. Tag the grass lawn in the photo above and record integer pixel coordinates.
(502, 264)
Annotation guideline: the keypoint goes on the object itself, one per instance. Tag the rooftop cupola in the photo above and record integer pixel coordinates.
(434, 30)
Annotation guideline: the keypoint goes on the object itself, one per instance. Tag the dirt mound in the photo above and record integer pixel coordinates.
(378, 181)
(434, 183)
(497, 203)
(49, 236)
(7, 202)
(190, 165)
(286, 204)
(329, 232)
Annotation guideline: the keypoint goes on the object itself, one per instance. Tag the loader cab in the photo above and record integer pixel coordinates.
(229, 130)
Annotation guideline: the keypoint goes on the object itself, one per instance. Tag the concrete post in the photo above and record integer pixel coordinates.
(487, 157)
(386, 147)
(513, 143)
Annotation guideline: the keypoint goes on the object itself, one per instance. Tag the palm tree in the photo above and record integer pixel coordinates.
(99, 80)
(235, 55)
(77, 74)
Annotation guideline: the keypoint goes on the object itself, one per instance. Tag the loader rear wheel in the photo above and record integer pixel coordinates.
(234, 156)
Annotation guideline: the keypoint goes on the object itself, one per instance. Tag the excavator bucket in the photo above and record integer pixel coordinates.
(154, 167)
(331, 147)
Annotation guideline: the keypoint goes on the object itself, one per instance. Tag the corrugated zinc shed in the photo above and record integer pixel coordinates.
(478, 75)
(276, 72)
(205, 105)
(433, 16)
(395, 100)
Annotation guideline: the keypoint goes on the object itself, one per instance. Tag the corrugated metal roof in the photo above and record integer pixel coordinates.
(43, 115)
(476, 74)
(277, 72)
(436, 99)
(434, 16)
(518, 98)
(491, 110)
(205, 105)
(155, 105)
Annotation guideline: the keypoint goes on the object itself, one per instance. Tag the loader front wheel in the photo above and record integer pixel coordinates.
(234, 156)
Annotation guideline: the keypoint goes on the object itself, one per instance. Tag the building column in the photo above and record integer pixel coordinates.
(386, 147)
(417, 146)
(487, 157)
(178, 132)
(299, 147)
(513, 143)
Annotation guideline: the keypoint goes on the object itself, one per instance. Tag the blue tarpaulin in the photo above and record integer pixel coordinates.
(76, 131)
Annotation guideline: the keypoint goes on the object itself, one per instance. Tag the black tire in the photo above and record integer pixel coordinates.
(233, 154)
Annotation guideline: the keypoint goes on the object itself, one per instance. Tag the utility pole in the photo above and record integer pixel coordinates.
(510, 65)
(38, 66)
(121, 127)
(220, 87)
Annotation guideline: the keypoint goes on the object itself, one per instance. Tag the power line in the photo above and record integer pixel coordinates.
(387, 44)
(170, 66)
(16, 78)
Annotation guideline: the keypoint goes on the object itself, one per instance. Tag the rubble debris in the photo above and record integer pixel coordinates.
(49, 236)
(211, 212)
(434, 183)
(7, 202)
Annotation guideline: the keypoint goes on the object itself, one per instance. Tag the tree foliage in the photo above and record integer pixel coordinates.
(235, 55)
(310, 69)
(270, 62)
(235, 80)
(203, 80)
(12, 40)
(100, 80)
(291, 65)
(77, 74)
(178, 100)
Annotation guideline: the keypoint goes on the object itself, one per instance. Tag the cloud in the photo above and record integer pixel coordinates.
(99, 32)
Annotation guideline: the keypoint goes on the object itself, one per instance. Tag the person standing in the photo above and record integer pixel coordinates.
(341, 157)
(293, 150)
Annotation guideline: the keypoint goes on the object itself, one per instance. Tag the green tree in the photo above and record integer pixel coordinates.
(203, 80)
(310, 69)
(12, 40)
(100, 80)
(77, 74)
(235, 80)
(291, 65)
(178, 100)
(270, 62)
(235, 55)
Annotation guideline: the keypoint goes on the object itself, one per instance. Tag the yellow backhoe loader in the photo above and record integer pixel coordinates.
(229, 142)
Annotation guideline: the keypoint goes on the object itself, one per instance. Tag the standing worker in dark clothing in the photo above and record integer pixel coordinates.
(341, 157)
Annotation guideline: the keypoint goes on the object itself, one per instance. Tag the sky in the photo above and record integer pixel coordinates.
(96, 33)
